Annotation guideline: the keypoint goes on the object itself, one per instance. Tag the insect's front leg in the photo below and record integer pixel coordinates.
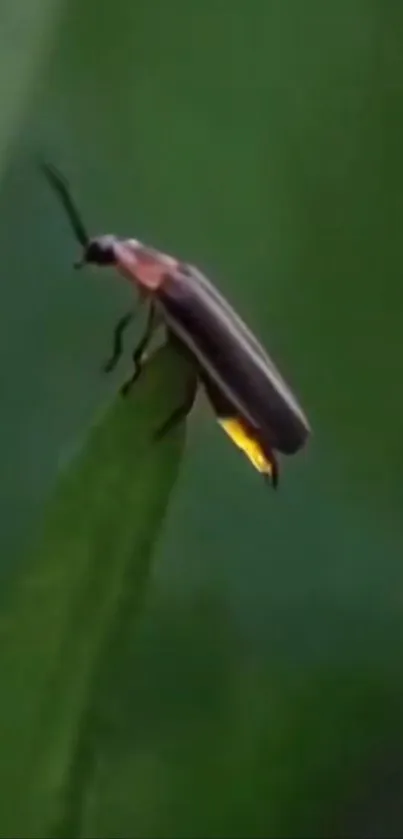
(138, 355)
(120, 327)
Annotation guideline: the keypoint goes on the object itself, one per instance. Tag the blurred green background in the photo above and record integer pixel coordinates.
(261, 694)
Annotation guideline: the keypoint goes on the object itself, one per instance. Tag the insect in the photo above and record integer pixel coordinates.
(251, 401)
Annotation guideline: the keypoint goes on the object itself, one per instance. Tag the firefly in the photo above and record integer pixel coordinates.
(251, 401)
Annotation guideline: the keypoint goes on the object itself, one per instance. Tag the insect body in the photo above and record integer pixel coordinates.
(252, 402)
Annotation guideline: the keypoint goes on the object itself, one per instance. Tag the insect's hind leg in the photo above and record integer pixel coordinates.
(182, 411)
(272, 479)
(120, 328)
(138, 353)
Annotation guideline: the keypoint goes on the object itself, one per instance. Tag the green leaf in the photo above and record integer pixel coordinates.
(94, 549)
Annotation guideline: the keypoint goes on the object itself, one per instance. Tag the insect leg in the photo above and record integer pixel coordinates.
(181, 412)
(273, 478)
(120, 327)
(138, 354)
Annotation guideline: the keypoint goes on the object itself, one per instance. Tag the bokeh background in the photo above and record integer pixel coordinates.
(261, 692)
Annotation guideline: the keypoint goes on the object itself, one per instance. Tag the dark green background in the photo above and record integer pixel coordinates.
(262, 141)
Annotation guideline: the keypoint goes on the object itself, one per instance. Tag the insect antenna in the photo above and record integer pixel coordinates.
(60, 186)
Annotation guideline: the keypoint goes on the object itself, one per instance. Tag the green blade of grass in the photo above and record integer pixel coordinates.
(96, 541)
